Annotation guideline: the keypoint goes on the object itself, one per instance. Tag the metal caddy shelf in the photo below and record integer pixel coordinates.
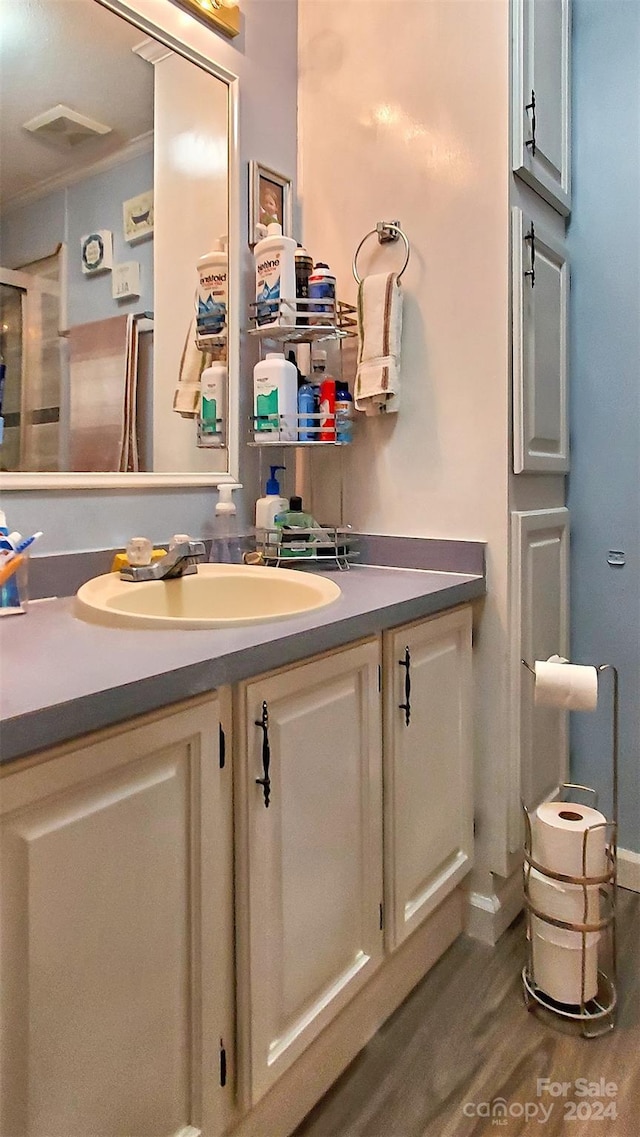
(302, 320)
(295, 548)
(284, 430)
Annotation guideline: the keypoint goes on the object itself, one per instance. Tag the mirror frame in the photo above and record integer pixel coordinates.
(184, 35)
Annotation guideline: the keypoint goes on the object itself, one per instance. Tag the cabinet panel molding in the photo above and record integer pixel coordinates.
(539, 628)
(541, 86)
(428, 767)
(313, 867)
(114, 963)
(540, 306)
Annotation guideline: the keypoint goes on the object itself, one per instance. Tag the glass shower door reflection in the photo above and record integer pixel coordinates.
(33, 354)
(11, 339)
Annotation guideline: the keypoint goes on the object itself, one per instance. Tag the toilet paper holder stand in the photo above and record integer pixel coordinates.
(595, 1016)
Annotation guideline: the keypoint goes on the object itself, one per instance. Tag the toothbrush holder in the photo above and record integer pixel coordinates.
(14, 592)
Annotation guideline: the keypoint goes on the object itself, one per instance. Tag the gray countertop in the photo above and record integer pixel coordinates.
(62, 677)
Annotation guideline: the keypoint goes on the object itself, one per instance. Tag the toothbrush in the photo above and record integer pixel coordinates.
(22, 546)
(9, 565)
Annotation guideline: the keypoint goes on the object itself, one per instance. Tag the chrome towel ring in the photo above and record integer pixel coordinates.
(387, 231)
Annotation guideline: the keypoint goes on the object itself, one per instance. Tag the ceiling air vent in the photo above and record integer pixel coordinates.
(66, 126)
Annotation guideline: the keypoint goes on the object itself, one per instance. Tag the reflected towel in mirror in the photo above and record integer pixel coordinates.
(186, 397)
(102, 395)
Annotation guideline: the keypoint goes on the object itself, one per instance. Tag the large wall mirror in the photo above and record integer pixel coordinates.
(117, 151)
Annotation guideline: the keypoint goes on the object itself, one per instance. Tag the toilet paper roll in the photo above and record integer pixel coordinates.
(557, 967)
(563, 901)
(557, 830)
(565, 685)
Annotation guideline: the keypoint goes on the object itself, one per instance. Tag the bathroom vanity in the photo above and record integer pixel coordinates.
(210, 907)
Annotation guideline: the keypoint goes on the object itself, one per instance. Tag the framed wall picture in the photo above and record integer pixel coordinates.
(269, 200)
(97, 251)
(125, 280)
(137, 216)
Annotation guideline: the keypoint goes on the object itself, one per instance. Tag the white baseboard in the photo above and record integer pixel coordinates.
(629, 869)
(488, 916)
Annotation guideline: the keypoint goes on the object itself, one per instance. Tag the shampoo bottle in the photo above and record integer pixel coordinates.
(275, 278)
(211, 305)
(275, 398)
(272, 503)
(212, 398)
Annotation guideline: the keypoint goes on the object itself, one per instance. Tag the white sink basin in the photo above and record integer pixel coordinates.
(217, 596)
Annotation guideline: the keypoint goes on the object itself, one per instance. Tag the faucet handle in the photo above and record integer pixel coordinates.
(139, 550)
(179, 539)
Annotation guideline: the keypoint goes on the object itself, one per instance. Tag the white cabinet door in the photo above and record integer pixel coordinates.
(540, 349)
(313, 856)
(428, 766)
(541, 31)
(540, 628)
(117, 935)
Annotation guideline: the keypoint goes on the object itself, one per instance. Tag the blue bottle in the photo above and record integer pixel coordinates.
(307, 406)
(344, 413)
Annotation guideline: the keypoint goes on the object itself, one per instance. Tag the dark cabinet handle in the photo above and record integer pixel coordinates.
(531, 142)
(265, 781)
(406, 706)
(531, 237)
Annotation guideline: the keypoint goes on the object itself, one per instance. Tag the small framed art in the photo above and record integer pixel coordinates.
(137, 216)
(125, 280)
(269, 200)
(97, 252)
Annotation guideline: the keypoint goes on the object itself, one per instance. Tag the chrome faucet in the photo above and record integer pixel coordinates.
(181, 560)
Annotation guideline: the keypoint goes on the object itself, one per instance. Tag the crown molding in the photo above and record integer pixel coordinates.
(152, 51)
(142, 144)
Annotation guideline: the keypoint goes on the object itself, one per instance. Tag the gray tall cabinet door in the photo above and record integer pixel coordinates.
(541, 35)
(540, 309)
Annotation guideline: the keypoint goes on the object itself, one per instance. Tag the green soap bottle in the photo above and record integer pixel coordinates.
(293, 522)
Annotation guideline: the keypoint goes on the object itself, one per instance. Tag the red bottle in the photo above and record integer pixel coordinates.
(328, 410)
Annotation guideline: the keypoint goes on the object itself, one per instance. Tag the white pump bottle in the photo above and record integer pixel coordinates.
(225, 547)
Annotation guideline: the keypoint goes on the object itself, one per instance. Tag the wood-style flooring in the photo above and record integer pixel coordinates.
(463, 1037)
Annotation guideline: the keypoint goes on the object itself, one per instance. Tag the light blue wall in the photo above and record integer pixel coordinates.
(604, 495)
(32, 231)
(96, 203)
(265, 58)
(85, 519)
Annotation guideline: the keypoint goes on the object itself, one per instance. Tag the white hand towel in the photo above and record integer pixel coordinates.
(377, 387)
(186, 397)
